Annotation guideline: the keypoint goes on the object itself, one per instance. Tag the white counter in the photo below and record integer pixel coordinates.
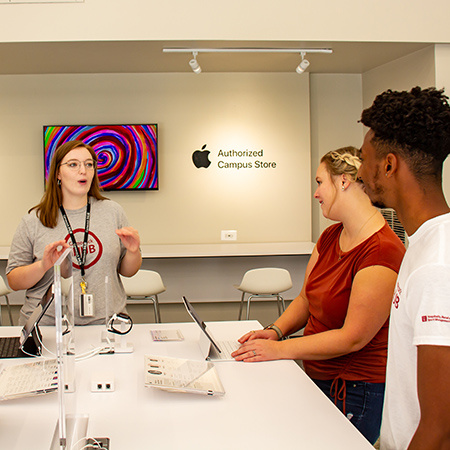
(216, 250)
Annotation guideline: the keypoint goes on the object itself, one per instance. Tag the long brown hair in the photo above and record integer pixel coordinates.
(47, 209)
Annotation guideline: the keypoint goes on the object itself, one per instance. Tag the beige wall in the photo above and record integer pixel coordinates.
(442, 54)
(338, 99)
(224, 111)
(428, 67)
(322, 20)
(416, 69)
(335, 109)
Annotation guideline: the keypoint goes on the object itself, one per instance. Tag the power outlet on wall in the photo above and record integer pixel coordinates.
(228, 235)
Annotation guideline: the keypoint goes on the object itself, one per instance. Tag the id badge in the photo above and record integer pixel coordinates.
(86, 305)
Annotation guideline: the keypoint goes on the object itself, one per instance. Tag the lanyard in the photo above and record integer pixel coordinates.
(81, 259)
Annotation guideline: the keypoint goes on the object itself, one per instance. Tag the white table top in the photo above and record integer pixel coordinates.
(267, 405)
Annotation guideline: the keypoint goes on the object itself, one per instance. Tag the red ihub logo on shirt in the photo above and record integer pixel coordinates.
(94, 249)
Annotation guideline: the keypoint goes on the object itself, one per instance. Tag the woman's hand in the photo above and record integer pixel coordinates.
(132, 260)
(130, 238)
(52, 252)
(258, 350)
(259, 334)
(24, 277)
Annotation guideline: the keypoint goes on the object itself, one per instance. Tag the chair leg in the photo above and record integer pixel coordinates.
(248, 305)
(156, 307)
(240, 306)
(9, 311)
(280, 304)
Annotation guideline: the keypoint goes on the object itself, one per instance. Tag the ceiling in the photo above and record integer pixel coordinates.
(148, 57)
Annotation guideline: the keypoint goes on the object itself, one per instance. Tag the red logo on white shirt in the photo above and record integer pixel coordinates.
(436, 318)
(397, 293)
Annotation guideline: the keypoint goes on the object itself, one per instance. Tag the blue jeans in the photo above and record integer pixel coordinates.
(363, 405)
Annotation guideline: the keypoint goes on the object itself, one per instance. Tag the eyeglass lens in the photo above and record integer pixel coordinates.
(74, 164)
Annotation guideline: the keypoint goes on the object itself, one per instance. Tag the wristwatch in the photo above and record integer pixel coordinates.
(276, 329)
(120, 319)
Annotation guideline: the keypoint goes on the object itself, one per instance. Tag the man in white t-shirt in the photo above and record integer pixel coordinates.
(402, 160)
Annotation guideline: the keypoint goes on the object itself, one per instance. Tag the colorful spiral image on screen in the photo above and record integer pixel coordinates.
(127, 154)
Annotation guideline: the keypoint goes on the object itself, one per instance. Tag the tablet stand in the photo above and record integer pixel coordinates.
(119, 342)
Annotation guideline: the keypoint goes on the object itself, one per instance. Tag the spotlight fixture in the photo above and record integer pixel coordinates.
(304, 64)
(195, 66)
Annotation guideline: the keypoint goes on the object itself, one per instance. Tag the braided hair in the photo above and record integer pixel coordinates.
(344, 160)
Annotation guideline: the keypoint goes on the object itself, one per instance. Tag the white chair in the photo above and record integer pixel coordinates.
(145, 285)
(267, 282)
(4, 291)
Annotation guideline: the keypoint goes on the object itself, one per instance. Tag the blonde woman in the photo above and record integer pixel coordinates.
(345, 300)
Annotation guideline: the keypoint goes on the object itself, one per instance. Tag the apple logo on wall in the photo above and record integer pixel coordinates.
(200, 158)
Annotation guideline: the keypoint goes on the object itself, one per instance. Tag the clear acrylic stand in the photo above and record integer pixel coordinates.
(71, 427)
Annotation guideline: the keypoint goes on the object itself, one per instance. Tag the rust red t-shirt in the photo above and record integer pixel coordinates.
(328, 291)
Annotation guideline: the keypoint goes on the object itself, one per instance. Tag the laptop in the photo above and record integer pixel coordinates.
(211, 349)
(29, 341)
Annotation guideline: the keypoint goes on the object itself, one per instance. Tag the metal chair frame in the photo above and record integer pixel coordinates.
(261, 283)
(135, 298)
(280, 303)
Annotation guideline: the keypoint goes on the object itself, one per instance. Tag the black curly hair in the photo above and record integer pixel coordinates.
(415, 125)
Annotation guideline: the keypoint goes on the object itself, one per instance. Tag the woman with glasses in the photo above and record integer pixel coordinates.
(73, 213)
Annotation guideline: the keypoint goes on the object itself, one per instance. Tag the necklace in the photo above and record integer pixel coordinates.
(354, 240)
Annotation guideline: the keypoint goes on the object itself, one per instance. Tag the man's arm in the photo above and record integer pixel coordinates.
(433, 386)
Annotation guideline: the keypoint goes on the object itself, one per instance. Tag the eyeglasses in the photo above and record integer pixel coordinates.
(74, 164)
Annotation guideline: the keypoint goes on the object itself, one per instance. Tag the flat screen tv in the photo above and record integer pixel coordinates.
(127, 154)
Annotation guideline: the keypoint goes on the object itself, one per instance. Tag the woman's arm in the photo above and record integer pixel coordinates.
(25, 277)
(132, 260)
(368, 309)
